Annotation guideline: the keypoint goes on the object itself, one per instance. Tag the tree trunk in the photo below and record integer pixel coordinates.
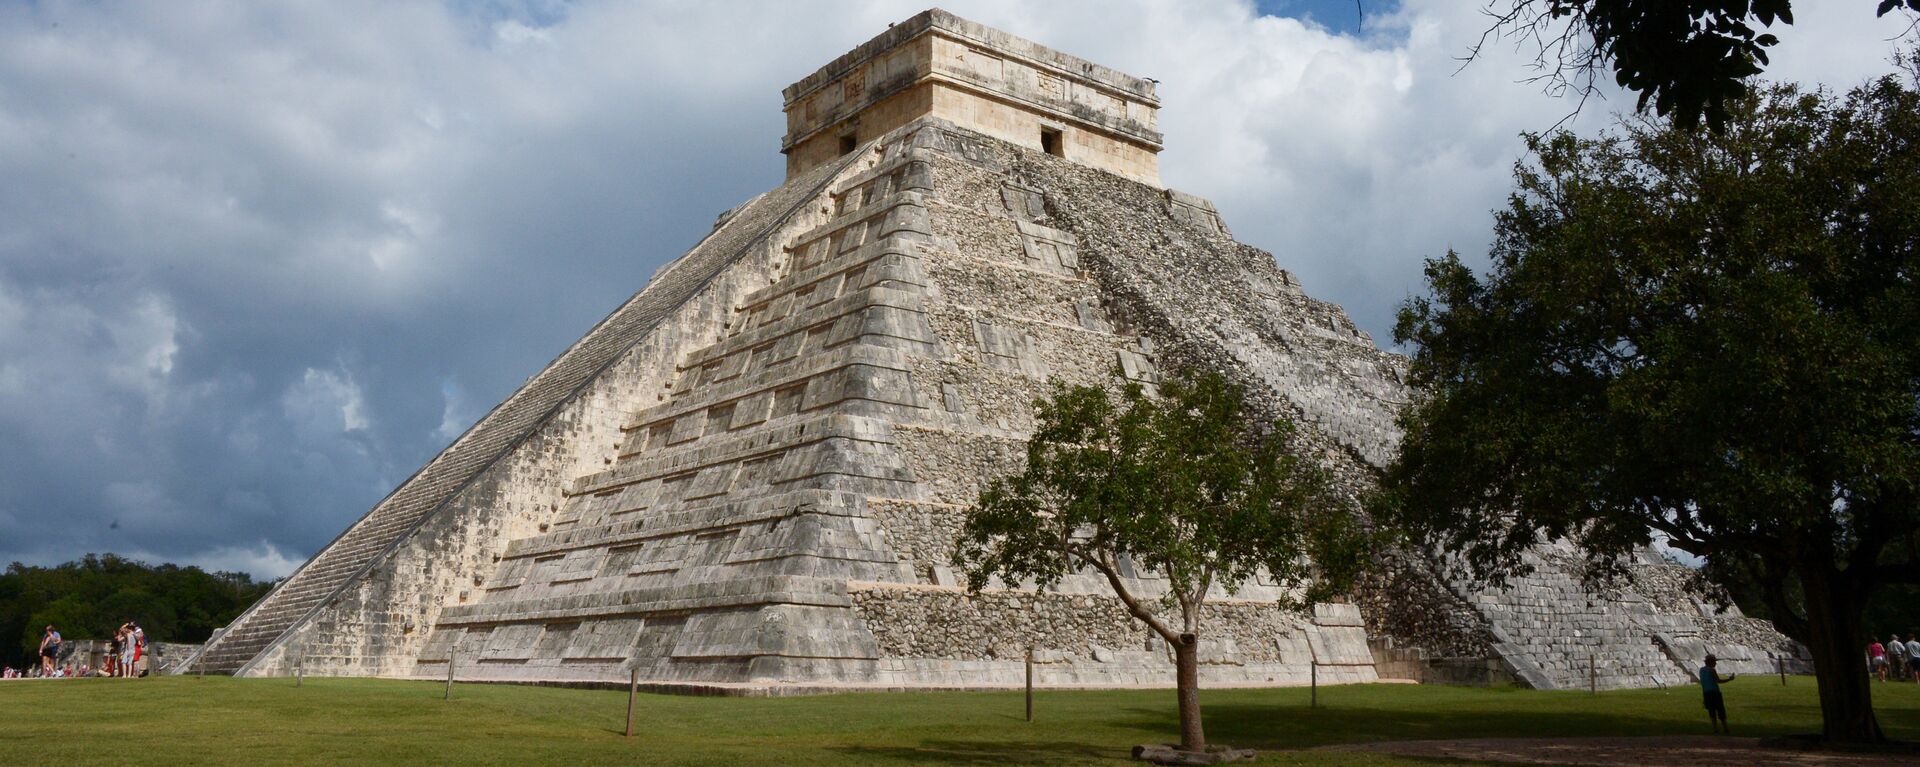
(1835, 605)
(1186, 654)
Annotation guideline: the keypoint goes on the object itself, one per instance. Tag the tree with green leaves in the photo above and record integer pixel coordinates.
(1688, 59)
(1187, 485)
(88, 598)
(1706, 340)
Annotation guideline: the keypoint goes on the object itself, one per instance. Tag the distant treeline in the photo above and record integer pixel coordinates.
(89, 598)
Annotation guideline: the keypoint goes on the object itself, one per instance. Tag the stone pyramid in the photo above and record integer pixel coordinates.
(750, 474)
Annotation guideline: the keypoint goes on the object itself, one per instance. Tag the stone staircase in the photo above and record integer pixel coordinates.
(346, 558)
(323, 576)
(715, 545)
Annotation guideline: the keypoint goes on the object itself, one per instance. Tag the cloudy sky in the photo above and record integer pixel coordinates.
(259, 261)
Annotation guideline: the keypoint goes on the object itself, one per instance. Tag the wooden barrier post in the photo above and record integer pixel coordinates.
(1593, 674)
(1029, 684)
(453, 653)
(1781, 663)
(633, 691)
(300, 669)
(1313, 673)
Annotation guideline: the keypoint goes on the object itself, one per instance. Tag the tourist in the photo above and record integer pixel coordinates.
(49, 649)
(138, 639)
(1710, 682)
(1896, 657)
(112, 664)
(124, 637)
(1877, 660)
(1913, 651)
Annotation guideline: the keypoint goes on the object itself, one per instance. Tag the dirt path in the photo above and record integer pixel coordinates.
(1691, 750)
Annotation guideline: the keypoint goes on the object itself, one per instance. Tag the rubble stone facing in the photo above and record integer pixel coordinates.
(1199, 299)
(997, 625)
(948, 623)
(1404, 600)
(921, 533)
(1080, 639)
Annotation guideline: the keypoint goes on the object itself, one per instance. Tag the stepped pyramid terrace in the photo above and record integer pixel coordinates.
(748, 477)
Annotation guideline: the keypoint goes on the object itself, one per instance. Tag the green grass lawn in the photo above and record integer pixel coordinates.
(218, 721)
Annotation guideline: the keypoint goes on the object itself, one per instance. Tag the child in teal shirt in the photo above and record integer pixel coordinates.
(1710, 690)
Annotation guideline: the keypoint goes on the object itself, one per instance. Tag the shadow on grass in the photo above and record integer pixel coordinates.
(1280, 727)
(989, 752)
(1272, 727)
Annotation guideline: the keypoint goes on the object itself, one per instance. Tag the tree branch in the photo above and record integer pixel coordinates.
(1192, 609)
(1681, 537)
(1112, 571)
(1773, 589)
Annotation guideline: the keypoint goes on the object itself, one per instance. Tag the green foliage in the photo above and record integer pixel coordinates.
(1892, 609)
(1688, 59)
(1184, 485)
(89, 598)
(1713, 339)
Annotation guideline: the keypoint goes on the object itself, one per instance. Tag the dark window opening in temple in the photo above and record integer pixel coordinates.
(1050, 142)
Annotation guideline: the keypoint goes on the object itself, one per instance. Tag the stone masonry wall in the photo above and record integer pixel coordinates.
(1015, 311)
(1172, 274)
(380, 623)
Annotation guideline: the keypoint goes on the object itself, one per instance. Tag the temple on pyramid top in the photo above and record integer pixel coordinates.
(939, 65)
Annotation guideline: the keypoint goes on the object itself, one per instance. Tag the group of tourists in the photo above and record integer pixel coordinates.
(1895, 660)
(126, 657)
(127, 653)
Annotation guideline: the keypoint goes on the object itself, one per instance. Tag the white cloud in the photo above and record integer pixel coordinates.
(326, 401)
(261, 559)
(70, 344)
(512, 32)
(146, 339)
